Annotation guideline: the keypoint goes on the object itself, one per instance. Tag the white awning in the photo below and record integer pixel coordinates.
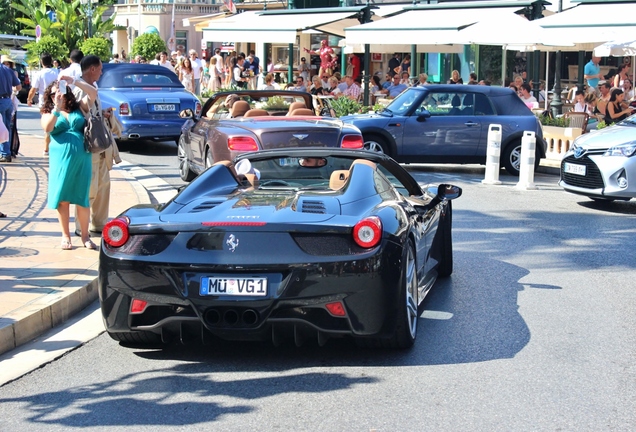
(273, 27)
(586, 17)
(259, 27)
(507, 30)
(420, 26)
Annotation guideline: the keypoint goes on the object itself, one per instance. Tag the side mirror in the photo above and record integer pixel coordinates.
(446, 192)
(186, 113)
(443, 192)
(423, 115)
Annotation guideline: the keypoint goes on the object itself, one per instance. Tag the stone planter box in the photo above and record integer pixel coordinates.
(559, 140)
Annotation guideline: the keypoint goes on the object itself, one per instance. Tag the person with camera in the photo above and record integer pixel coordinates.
(69, 163)
(99, 195)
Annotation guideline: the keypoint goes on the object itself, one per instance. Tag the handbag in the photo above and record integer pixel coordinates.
(97, 136)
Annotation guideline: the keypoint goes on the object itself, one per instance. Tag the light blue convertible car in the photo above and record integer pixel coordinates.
(146, 99)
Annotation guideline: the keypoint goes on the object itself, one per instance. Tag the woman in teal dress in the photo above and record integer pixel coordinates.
(69, 163)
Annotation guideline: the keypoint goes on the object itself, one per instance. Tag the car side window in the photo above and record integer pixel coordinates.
(483, 105)
(397, 184)
(453, 104)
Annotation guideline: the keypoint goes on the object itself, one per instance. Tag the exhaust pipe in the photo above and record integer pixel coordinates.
(133, 136)
(213, 317)
(231, 317)
(250, 317)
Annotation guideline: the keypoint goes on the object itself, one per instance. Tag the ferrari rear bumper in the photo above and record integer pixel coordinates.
(297, 296)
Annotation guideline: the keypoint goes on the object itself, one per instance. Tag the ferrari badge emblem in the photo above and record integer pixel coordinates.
(232, 242)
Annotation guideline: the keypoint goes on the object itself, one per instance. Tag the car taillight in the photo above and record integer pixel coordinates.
(336, 309)
(368, 232)
(197, 108)
(115, 232)
(138, 306)
(124, 109)
(27, 81)
(244, 144)
(352, 142)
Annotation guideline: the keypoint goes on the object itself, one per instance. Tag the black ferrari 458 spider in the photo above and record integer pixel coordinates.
(280, 244)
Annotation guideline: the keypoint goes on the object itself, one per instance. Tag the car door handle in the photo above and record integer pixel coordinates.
(469, 124)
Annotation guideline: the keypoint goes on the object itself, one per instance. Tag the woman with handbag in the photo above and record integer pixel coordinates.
(70, 164)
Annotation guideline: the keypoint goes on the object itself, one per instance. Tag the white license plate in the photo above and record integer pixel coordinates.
(233, 286)
(165, 107)
(574, 169)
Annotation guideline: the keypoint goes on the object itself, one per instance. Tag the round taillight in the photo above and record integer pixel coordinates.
(115, 232)
(368, 232)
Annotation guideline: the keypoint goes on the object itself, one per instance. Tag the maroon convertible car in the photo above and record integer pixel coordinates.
(242, 121)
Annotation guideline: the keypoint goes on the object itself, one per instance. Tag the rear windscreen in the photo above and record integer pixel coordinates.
(112, 79)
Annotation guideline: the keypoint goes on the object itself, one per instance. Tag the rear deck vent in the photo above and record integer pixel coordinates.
(207, 205)
(311, 206)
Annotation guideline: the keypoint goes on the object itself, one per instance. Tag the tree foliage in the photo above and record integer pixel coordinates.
(97, 46)
(148, 45)
(71, 25)
(48, 44)
(8, 23)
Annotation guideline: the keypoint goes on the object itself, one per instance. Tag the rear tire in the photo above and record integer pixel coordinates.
(511, 158)
(209, 160)
(407, 316)
(375, 143)
(407, 308)
(139, 338)
(445, 267)
(185, 172)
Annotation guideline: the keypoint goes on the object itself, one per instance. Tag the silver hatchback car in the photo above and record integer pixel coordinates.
(602, 165)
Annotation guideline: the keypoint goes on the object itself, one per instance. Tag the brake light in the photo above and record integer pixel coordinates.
(138, 306)
(336, 309)
(115, 232)
(27, 81)
(124, 109)
(244, 144)
(197, 108)
(352, 142)
(368, 232)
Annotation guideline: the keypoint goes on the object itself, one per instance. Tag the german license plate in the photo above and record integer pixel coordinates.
(165, 107)
(233, 286)
(574, 169)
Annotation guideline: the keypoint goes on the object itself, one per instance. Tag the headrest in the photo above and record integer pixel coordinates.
(338, 179)
(295, 105)
(256, 113)
(239, 108)
(302, 112)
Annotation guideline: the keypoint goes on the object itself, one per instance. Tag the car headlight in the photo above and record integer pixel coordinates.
(627, 150)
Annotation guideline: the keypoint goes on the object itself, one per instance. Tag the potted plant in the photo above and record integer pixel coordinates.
(558, 135)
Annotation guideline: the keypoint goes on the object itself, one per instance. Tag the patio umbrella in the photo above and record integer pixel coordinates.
(617, 48)
(509, 30)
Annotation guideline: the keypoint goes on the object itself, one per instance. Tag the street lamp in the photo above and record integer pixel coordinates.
(88, 10)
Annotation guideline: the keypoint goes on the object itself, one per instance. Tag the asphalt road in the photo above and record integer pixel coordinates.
(535, 330)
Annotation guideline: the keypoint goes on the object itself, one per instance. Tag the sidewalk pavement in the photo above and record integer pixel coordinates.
(41, 285)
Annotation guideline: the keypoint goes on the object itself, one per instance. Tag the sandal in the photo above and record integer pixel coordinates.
(66, 244)
(88, 244)
(2, 215)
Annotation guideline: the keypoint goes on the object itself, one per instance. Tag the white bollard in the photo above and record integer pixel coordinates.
(493, 152)
(526, 162)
